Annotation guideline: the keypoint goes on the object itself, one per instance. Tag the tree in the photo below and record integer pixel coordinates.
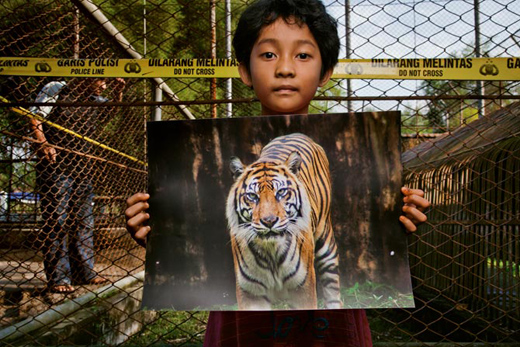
(180, 29)
(448, 114)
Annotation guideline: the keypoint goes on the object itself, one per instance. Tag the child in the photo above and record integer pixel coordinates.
(286, 49)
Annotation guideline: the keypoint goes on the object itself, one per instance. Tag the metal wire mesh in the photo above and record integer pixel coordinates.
(461, 140)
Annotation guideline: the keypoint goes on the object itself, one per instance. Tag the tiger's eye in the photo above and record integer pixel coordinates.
(252, 197)
(281, 193)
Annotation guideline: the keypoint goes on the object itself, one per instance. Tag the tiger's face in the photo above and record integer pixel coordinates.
(270, 200)
(267, 201)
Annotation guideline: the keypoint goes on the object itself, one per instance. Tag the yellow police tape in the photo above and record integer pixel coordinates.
(502, 69)
(25, 112)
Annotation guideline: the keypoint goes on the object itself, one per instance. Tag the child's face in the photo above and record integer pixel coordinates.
(285, 68)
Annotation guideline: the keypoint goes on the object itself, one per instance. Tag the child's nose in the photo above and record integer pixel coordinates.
(285, 67)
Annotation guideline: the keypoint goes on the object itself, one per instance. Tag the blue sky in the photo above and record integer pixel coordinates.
(423, 29)
(410, 29)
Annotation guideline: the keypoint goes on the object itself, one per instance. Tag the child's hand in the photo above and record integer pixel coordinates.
(414, 206)
(136, 217)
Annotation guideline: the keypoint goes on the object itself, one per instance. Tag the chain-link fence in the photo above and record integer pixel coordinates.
(461, 139)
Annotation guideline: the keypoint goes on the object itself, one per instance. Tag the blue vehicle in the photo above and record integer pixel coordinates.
(18, 206)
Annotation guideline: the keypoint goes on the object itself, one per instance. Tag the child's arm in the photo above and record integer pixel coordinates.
(414, 206)
(136, 217)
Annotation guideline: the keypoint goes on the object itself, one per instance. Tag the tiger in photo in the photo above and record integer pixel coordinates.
(278, 213)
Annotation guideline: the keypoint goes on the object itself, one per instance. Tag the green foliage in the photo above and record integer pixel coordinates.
(412, 122)
(448, 114)
(444, 112)
(332, 88)
(171, 328)
(20, 18)
(169, 33)
(374, 295)
(18, 175)
(506, 267)
(368, 294)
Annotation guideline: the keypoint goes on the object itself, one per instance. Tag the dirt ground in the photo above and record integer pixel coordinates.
(23, 290)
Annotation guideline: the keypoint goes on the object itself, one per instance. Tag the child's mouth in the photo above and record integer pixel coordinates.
(285, 89)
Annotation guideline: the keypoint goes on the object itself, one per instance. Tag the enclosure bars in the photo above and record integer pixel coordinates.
(98, 15)
(348, 52)
(480, 84)
(229, 81)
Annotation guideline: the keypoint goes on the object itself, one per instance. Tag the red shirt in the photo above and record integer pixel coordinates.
(288, 328)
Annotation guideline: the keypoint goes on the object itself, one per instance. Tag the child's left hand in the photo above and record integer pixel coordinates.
(414, 206)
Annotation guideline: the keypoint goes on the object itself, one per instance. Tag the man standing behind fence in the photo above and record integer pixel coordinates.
(64, 174)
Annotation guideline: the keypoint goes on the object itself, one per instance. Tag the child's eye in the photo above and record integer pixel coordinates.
(303, 56)
(268, 55)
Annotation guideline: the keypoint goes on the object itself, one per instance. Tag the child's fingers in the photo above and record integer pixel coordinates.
(141, 234)
(414, 214)
(136, 204)
(409, 191)
(136, 209)
(417, 201)
(415, 204)
(135, 225)
(137, 198)
(408, 224)
(136, 222)
(136, 217)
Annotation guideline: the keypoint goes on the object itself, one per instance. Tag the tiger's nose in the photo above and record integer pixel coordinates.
(269, 221)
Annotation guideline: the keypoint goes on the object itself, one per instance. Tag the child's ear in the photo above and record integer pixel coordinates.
(326, 77)
(244, 75)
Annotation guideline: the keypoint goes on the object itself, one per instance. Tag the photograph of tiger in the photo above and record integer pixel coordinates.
(276, 213)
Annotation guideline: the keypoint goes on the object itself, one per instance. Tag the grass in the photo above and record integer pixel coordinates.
(434, 320)
(367, 295)
(179, 328)
(375, 295)
(174, 328)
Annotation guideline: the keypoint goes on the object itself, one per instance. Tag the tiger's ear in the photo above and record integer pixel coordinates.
(294, 162)
(236, 167)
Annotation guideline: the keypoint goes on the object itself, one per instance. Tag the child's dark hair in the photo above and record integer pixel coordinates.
(262, 13)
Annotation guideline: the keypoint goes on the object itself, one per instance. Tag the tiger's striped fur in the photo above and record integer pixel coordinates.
(278, 212)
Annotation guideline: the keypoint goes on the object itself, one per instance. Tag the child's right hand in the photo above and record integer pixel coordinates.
(136, 217)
